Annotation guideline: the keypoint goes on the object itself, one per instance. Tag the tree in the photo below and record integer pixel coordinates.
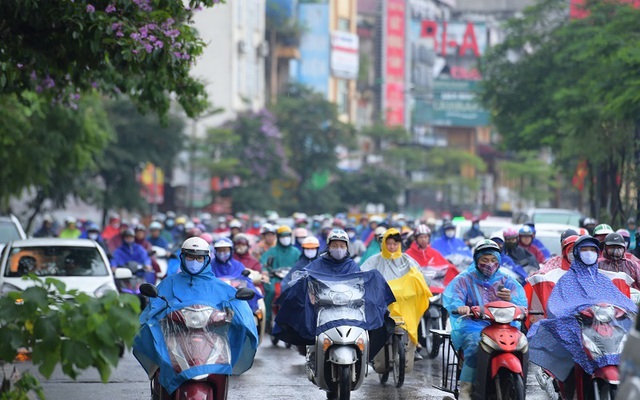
(370, 185)
(568, 84)
(311, 132)
(50, 149)
(139, 139)
(64, 327)
(142, 48)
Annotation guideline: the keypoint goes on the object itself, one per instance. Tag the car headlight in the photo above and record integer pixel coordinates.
(503, 315)
(8, 288)
(102, 290)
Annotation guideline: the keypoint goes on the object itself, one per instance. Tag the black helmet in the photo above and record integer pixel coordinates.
(585, 241)
(567, 233)
(614, 239)
(484, 245)
(128, 232)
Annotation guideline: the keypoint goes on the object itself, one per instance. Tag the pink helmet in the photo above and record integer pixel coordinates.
(624, 233)
(207, 237)
(510, 233)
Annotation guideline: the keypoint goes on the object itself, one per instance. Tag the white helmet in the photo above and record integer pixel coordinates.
(235, 224)
(195, 246)
(338, 234)
(422, 230)
(155, 225)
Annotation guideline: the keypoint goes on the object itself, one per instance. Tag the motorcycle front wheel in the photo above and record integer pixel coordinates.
(399, 360)
(344, 382)
(511, 385)
(431, 341)
(606, 391)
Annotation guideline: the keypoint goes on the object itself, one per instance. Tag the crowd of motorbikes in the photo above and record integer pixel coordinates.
(337, 361)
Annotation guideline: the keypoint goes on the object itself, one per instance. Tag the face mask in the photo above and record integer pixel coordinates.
(285, 241)
(475, 226)
(488, 269)
(242, 249)
(93, 236)
(589, 257)
(338, 254)
(616, 253)
(168, 223)
(351, 234)
(310, 253)
(223, 256)
(450, 233)
(194, 266)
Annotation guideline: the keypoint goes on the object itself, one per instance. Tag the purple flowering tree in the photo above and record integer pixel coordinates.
(143, 48)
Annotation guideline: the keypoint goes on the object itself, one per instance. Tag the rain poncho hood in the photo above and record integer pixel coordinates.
(182, 290)
(383, 247)
(296, 322)
(555, 343)
(447, 246)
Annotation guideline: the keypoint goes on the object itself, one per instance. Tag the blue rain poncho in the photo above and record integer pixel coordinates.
(232, 269)
(556, 343)
(447, 246)
(298, 321)
(325, 264)
(472, 288)
(182, 290)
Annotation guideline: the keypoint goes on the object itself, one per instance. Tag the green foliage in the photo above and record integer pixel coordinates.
(571, 85)
(24, 384)
(144, 49)
(139, 139)
(373, 184)
(534, 176)
(49, 147)
(67, 328)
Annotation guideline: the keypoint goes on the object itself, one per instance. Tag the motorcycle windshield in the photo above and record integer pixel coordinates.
(197, 335)
(338, 300)
(603, 329)
(434, 277)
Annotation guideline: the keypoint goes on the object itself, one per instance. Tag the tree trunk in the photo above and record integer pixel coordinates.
(592, 191)
(36, 206)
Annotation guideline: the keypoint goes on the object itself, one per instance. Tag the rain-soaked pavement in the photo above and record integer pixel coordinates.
(277, 373)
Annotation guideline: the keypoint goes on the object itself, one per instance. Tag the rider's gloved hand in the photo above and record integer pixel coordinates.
(464, 310)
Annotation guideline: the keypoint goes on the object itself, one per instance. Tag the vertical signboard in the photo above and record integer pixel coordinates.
(313, 67)
(344, 55)
(394, 63)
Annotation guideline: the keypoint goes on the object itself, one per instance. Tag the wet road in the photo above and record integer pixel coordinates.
(277, 373)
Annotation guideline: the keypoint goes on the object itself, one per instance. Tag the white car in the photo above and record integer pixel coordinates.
(80, 263)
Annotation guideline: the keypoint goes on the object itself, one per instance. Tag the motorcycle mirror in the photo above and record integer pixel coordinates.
(246, 273)
(149, 290)
(242, 294)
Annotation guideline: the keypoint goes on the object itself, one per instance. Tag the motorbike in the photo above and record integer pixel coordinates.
(436, 316)
(502, 354)
(629, 365)
(276, 278)
(196, 336)
(131, 284)
(337, 362)
(162, 257)
(603, 334)
(258, 315)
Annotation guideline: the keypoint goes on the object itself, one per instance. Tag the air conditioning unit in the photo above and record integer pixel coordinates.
(263, 49)
(242, 47)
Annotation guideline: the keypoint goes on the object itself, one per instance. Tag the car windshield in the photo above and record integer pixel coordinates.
(8, 232)
(56, 261)
(557, 218)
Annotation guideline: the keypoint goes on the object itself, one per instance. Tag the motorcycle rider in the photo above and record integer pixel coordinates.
(47, 229)
(356, 246)
(474, 232)
(310, 246)
(525, 239)
(627, 239)
(93, 233)
(481, 283)
(113, 228)
(536, 242)
(299, 234)
(235, 227)
(408, 286)
(555, 343)
(559, 261)
(70, 230)
(449, 244)
(613, 259)
(631, 227)
(600, 232)
(194, 284)
(241, 253)
(155, 229)
(268, 240)
(282, 255)
(518, 254)
(130, 251)
(374, 246)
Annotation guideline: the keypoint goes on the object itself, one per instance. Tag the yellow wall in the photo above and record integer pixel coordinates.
(343, 9)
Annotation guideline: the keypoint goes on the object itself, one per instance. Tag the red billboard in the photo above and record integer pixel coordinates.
(394, 66)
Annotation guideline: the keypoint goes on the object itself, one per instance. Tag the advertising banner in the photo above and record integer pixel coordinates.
(394, 65)
(313, 66)
(344, 55)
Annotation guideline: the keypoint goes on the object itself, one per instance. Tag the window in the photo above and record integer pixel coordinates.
(56, 261)
(344, 25)
(342, 98)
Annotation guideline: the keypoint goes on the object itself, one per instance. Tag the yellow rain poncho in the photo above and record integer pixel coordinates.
(407, 283)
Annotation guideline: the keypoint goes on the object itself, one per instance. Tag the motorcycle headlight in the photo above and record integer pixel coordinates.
(487, 341)
(340, 298)
(603, 314)
(102, 290)
(523, 344)
(591, 346)
(196, 318)
(503, 315)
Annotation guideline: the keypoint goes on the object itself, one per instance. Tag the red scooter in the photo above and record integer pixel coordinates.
(502, 354)
(602, 334)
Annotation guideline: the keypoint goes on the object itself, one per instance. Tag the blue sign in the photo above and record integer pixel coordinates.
(315, 45)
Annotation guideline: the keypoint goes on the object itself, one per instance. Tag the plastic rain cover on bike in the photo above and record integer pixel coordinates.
(232, 353)
(317, 302)
(556, 343)
(472, 288)
(408, 286)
